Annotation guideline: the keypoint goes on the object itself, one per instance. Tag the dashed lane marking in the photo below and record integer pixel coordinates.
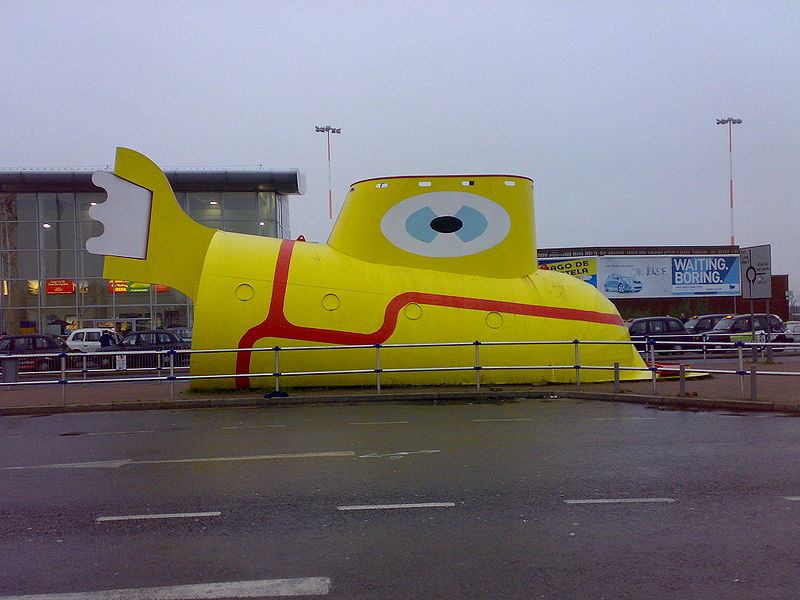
(187, 515)
(619, 500)
(498, 420)
(264, 588)
(394, 506)
(382, 423)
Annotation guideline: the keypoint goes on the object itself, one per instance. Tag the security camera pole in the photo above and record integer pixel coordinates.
(327, 129)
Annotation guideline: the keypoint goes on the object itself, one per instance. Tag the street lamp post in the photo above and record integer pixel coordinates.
(730, 122)
(327, 129)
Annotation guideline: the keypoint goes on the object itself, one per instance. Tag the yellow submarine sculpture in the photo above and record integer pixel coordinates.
(410, 260)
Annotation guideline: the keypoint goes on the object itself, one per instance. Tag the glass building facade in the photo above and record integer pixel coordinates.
(51, 284)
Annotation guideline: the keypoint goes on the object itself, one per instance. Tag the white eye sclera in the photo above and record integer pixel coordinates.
(446, 224)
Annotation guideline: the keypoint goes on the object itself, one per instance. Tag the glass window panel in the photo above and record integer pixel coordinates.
(20, 265)
(84, 202)
(60, 235)
(269, 229)
(239, 205)
(140, 295)
(58, 264)
(18, 207)
(267, 205)
(201, 207)
(169, 296)
(21, 293)
(20, 320)
(19, 235)
(91, 264)
(94, 291)
(181, 198)
(65, 207)
(174, 316)
(250, 227)
(55, 293)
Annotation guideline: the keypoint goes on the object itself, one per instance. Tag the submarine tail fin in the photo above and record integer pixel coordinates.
(147, 237)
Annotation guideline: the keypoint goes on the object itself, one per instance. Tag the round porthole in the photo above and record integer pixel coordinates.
(244, 292)
(412, 311)
(331, 302)
(494, 320)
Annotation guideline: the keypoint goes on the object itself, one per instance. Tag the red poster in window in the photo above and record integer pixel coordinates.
(59, 286)
(160, 288)
(117, 286)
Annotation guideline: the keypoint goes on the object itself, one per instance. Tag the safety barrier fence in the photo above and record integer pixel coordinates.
(171, 366)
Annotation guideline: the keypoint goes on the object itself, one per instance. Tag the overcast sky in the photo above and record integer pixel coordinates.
(610, 107)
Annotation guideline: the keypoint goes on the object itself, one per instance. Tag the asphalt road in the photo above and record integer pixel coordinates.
(535, 499)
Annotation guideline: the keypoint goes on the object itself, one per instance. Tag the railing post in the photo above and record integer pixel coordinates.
(651, 343)
(754, 383)
(63, 366)
(277, 372)
(378, 369)
(477, 365)
(171, 378)
(616, 378)
(740, 345)
(577, 364)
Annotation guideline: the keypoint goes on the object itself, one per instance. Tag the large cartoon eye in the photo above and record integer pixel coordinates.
(446, 224)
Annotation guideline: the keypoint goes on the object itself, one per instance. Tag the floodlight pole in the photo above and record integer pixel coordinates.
(730, 121)
(327, 129)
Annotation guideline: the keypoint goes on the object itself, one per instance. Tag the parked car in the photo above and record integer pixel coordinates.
(662, 329)
(34, 343)
(622, 283)
(740, 328)
(702, 323)
(153, 340)
(793, 330)
(88, 339)
(185, 333)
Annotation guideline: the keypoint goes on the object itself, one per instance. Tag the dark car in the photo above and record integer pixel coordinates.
(661, 329)
(154, 340)
(702, 323)
(34, 343)
(741, 328)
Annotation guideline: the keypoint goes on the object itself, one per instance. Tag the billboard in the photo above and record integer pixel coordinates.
(663, 276)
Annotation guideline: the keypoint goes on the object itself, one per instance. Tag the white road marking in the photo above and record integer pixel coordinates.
(120, 432)
(115, 464)
(253, 426)
(619, 500)
(158, 516)
(625, 418)
(792, 498)
(498, 420)
(399, 453)
(382, 423)
(391, 506)
(301, 586)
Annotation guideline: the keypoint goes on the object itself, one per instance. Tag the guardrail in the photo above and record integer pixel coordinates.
(171, 366)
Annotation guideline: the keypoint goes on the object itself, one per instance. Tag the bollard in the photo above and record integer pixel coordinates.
(171, 375)
(739, 345)
(577, 365)
(653, 369)
(753, 383)
(682, 381)
(616, 378)
(277, 372)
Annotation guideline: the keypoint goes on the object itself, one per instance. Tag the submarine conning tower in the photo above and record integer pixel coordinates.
(471, 224)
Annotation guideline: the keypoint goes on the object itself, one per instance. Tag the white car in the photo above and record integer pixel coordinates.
(88, 339)
(793, 329)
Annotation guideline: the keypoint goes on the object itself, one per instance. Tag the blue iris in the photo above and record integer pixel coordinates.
(468, 224)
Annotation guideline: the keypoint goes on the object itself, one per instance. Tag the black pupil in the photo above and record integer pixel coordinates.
(446, 224)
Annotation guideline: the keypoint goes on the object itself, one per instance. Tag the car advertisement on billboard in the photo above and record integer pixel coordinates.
(655, 276)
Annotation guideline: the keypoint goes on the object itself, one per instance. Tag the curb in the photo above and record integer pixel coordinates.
(457, 396)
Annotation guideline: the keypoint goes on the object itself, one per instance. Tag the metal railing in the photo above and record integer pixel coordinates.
(171, 366)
